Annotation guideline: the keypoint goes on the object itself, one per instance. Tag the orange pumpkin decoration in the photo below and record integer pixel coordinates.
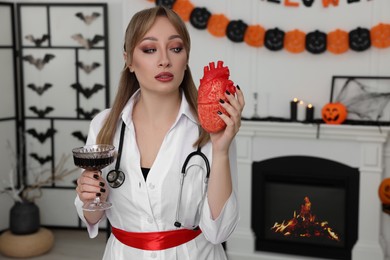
(338, 41)
(217, 25)
(294, 41)
(384, 191)
(380, 35)
(183, 8)
(334, 113)
(254, 35)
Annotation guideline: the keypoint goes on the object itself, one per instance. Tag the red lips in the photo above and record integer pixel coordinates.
(164, 76)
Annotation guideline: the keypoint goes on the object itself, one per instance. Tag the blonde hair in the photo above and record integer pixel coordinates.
(139, 25)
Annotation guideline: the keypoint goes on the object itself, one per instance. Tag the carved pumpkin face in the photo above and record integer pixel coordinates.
(316, 42)
(199, 17)
(274, 39)
(359, 39)
(384, 191)
(254, 35)
(334, 113)
(235, 31)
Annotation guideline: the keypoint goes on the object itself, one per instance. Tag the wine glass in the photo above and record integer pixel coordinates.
(94, 158)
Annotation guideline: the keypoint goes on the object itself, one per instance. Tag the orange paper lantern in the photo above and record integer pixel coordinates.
(380, 35)
(338, 41)
(294, 41)
(217, 25)
(254, 35)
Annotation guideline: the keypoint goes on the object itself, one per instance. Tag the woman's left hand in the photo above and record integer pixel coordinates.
(222, 139)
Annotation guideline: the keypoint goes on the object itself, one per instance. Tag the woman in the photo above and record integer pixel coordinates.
(156, 105)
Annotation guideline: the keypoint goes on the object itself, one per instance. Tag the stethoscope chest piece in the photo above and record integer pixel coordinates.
(115, 178)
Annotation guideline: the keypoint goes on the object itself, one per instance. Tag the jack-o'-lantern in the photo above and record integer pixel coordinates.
(334, 113)
(235, 30)
(384, 191)
(274, 39)
(316, 42)
(294, 41)
(199, 17)
(337, 41)
(359, 39)
(183, 8)
(380, 35)
(217, 25)
(166, 3)
(254, 35)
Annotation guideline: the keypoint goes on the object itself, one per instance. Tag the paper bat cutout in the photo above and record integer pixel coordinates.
(41, 113)
(88, 68)
(39, 90)
(87, 92)
(37, 41)
(87, 43)
(79, 135)
(86, 114)
(41, 136)
(41, 160)
(39, 63)
(88, 19)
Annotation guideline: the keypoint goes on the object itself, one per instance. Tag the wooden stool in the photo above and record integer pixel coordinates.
(26, 245)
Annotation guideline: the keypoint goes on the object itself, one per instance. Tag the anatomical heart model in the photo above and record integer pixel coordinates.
(213, 85)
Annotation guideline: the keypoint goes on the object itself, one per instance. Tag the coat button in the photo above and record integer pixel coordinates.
(151, 186)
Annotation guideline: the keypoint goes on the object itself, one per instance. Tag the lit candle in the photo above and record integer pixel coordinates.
(309, 113)
(301, 111)
(293, 109)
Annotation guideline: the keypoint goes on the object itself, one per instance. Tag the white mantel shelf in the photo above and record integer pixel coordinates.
(315, 131)
(358, 146)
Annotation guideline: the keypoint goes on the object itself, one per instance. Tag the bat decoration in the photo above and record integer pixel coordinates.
(87, 43)
(87, 92)
(42, 136)
(79, 135)
(39, 90)
(88, 68)
(37, 62)
(86, 114)
(37, 41)
(41, 113)
(88, 19)
(41, 160)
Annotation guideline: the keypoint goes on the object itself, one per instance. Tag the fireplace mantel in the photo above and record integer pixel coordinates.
(353, 145)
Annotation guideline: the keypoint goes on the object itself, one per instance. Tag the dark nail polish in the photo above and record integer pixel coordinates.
(219, 112)
(101, 184)
(102, 190)
(221, 101)
(238, 87)
(98, 194)
(227, 92)
(96, 176)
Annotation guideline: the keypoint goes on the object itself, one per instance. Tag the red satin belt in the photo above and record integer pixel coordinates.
(155, 240)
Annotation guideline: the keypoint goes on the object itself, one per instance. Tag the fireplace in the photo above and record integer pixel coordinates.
(305, 205)
(360, 147)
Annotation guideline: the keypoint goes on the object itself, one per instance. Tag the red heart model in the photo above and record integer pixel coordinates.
(212, 88)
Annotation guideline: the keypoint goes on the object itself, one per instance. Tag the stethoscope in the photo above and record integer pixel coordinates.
(116, 178)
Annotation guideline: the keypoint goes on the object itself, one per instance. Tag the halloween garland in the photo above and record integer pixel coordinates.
(275, 39)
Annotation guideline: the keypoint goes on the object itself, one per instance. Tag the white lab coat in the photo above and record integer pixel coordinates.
(151, 205)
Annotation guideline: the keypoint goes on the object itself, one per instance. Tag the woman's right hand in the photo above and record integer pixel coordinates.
(91, 185)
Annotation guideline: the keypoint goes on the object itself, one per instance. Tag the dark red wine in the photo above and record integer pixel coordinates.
(93, 163)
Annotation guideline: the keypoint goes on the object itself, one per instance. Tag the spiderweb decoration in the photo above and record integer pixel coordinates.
(366, 98)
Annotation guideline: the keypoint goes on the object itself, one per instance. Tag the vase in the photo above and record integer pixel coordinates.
(24, 218)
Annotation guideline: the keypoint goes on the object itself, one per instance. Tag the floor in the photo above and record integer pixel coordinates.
(72, 245)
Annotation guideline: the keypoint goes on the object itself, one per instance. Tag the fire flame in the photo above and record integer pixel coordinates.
(305, 224)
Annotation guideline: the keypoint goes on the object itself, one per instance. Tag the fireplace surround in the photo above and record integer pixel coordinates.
(360, 147)
(322, 194)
